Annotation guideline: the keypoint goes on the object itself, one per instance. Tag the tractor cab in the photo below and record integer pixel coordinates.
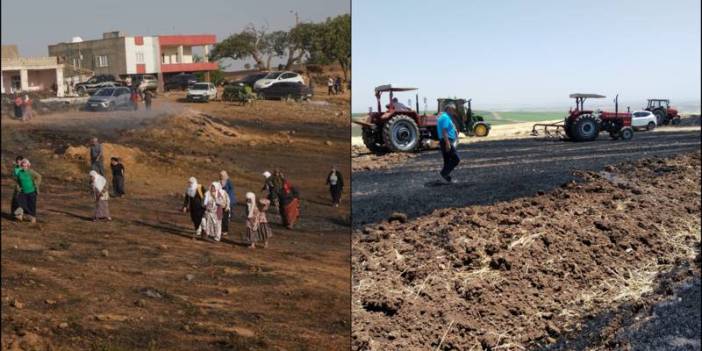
(657, 103)
(391, 105)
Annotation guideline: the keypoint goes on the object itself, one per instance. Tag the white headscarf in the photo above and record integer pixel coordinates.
(192, 187)
(219, 194)
(267, 174)
(250, 204)
(98, 181)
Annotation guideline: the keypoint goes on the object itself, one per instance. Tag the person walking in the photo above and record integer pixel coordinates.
(18, 106)
(27, 112)
(289, 204)
(134, 97)
(28, 182)
(194, 203)
(117, 176)
(148, 95)
(228, 188)
(101, 196)
(336, 185)
(338, 87)
(447, 141)
(96, 157)
(330, 86)
(257, 229)
(15, 208)
(216, 202)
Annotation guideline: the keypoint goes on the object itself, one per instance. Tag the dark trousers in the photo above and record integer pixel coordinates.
(335, 192)
(15, 202)
(118, 185)
(18, 111)
(225, 221)
(98, 167)
(450, 156)
(330, 89)
(196, 217)
(28, 202)
(147, 103)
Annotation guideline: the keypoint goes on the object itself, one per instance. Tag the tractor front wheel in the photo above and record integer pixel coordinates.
(585, 128)
(676, 121)
(401, 134)
(480, 130)
(626, 133)
(370, 141)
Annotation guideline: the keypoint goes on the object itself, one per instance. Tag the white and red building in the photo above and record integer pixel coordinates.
(124, 56)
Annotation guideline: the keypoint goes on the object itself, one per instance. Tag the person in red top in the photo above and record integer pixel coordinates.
(135, 98)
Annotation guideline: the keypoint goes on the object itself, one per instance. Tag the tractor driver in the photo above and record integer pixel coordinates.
(398, 106)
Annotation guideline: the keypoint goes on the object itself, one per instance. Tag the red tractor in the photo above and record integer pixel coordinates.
(401, 129)
(586, 125)
(664, 112)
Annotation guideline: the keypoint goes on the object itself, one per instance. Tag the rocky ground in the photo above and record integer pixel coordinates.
(579, 266)
(141, 282)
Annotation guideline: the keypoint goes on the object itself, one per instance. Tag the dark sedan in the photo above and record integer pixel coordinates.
(285, 90)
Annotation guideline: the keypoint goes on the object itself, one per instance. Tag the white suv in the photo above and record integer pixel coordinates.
(643, 120)
(277, 77)
(201, 91)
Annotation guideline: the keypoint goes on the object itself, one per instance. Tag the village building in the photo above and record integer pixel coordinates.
(30, 74)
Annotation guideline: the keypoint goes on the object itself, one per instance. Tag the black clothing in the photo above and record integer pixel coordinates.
(195, 206)
(451, 159)
(336, 189)
(28, 202)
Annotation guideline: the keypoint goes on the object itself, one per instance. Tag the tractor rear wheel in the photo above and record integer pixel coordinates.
(401, 134)
(585, 128)
(661, 118)
(370, 142)
(480, 130)
(626, 133)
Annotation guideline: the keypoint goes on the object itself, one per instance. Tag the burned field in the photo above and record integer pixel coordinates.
(563, 269)
(141, 282)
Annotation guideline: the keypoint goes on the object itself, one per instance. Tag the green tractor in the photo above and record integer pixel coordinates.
(240, 93)
(466, 121)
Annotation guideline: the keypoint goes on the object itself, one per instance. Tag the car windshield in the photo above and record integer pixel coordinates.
(200, 87)
(105, 92)
(273, 75)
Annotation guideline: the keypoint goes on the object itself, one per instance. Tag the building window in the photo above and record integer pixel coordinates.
(140, 57)
(102, 61)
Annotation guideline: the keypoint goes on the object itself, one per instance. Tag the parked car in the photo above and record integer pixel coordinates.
(94, 83)
(180, 81)
(644, 120)
(278, 77)
(148, 82)
(286, 90)
(110, 98)
(201, 92)
(249, 80)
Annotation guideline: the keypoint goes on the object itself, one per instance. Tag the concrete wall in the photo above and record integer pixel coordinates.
(170, 54)
(113, 48)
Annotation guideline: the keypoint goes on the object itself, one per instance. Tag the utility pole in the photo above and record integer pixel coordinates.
(297, 18)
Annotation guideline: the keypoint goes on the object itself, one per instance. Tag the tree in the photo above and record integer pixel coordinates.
(330, 42)
(253, 43)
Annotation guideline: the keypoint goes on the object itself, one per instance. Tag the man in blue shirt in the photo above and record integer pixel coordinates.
(447, 140)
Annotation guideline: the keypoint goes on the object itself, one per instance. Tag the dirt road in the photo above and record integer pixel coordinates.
(141, 282)
(492, 171)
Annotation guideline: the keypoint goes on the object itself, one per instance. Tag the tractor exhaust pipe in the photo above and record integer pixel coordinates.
(416, 101)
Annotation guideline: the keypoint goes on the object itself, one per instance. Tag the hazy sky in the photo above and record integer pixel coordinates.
(34, 24)
(527, 53)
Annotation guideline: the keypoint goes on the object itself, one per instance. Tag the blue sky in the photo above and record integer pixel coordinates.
(34, 24)
(522, 54)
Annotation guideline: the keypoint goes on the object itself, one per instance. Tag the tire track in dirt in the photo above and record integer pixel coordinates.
(498, 170)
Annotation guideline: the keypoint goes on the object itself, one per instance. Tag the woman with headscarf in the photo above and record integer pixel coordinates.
(228, 188)
(336, 185)
(193, 202)
(216, 202)
(101, 195)
(27, 112)
(28, 187)
(257, 228)
(289, 204)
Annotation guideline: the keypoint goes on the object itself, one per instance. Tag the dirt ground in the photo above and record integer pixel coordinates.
(583, 265)
(141, 282)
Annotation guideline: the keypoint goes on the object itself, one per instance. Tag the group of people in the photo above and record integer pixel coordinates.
(23, 107)
(138, 94)
(211, 210)
(334, 86)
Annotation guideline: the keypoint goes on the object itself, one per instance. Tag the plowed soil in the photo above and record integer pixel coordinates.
(141, 282)
(535, 271)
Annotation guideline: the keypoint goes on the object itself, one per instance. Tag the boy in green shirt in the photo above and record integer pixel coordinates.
(28, 183)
